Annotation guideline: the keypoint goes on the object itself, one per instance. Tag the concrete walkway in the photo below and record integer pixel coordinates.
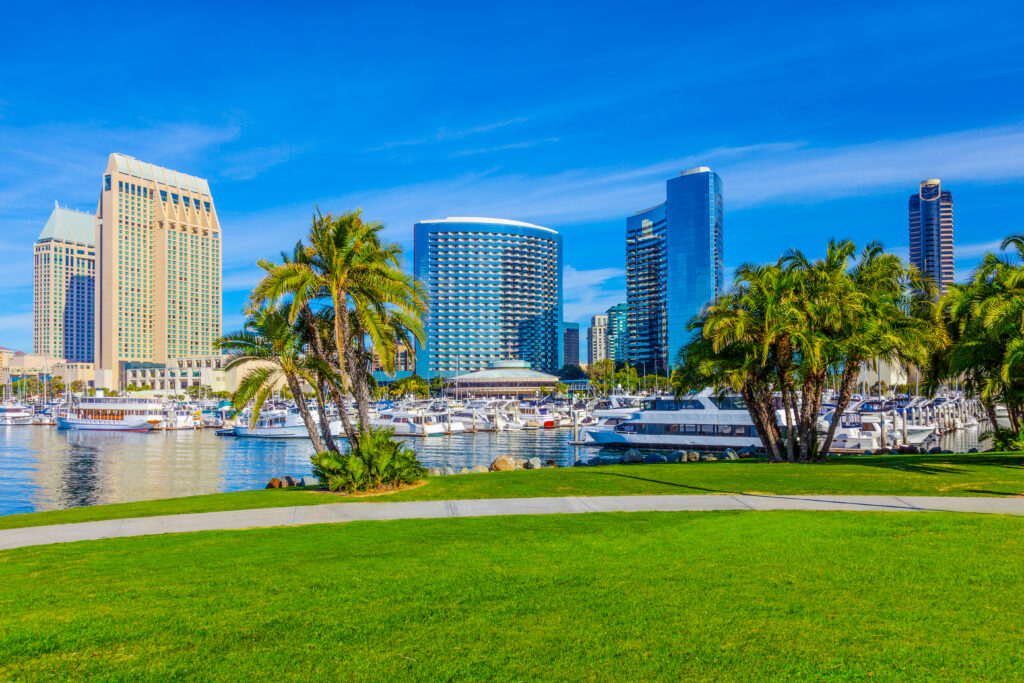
(354, 512)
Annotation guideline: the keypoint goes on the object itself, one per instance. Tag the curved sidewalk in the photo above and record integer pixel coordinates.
(355, 512)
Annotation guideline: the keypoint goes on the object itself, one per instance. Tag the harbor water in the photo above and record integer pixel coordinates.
(42, 468)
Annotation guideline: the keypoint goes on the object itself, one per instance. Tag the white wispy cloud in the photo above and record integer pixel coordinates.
(501, 148)
(588, 292)
(976, 250)
(250, 163)
(444, 134)
(754, 175)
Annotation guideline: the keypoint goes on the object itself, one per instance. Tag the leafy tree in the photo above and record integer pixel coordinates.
(602, 374)
(413, 384)
(437, 385)
(571, 372)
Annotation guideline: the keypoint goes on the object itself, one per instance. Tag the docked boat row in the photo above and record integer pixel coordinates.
(704, 420)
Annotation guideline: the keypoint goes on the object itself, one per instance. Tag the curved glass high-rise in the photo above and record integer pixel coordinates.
(673, 267)
(495, 293)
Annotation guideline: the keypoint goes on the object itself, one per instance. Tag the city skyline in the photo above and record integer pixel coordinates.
(806, 151)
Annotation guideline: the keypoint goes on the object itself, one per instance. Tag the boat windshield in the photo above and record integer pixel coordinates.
(661, 403)
(729, 402)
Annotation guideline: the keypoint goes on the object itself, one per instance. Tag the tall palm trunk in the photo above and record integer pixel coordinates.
(761, 412)
(325, 424)
(846, 385)
(317, 347)
(343, 341)
(307, 417)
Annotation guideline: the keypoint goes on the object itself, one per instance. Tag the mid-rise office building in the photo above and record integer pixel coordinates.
(63, 286)
(159, 270)
(618, 332)
(597, 339)
(931, 232)
(495, 293)
(570, 343)
(673, 267)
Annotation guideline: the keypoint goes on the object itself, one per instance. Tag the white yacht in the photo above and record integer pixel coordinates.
(607, 413)
(281, 424)
(409, 423)
(537, 416)
(703, 421)
(860, 428)
(14, 414)
(180, 417)
(483, 415)
(112, 414)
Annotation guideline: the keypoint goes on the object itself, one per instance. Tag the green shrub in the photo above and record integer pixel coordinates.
(1005, 440)
(376, 462)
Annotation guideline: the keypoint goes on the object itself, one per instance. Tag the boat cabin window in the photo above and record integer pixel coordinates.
(671, 404)
(655, 428)
(729, 402)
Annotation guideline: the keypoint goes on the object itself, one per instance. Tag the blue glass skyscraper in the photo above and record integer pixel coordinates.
(673, 266)
(495, 293)
(931, 233)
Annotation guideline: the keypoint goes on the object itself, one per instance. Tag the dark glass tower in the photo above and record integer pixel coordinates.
(931, 233)
(673, 266)
(571, 343)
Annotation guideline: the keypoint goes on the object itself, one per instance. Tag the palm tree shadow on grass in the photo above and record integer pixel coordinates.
(935, 464)
(658, 481)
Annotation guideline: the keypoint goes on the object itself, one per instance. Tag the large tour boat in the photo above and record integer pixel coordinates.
(703, 421)
(112, 414)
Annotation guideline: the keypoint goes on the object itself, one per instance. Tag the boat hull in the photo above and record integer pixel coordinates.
(99, 426)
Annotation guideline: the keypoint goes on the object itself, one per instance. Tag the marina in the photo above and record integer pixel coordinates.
(42, 468)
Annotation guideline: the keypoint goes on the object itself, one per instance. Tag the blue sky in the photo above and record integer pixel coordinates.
(820, 120)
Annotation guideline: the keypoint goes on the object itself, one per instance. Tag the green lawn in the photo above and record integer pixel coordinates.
(708, 596)
(932, 475)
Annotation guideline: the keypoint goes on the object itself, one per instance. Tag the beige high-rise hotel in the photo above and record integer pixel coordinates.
(63, 286)
(158, 283)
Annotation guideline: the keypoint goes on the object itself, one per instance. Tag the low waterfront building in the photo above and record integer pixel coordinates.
(513, 378)
(176, 376)
(16, 366)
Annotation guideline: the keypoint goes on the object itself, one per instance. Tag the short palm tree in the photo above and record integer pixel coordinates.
(274, 345)
(346, 266)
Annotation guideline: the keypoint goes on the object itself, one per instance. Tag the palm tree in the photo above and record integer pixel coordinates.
(786, 328)
(346, 266)
(984, 320)
(275, 345)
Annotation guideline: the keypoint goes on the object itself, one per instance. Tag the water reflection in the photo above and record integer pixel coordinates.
(45, 469)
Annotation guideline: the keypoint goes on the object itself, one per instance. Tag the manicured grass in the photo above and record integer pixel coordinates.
(929, 475)
(735, 596)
